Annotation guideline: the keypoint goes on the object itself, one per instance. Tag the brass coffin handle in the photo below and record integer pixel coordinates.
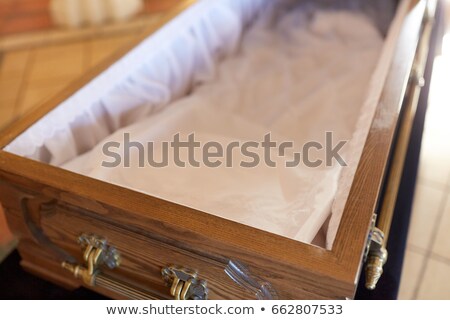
(184, 283)
(96, 253)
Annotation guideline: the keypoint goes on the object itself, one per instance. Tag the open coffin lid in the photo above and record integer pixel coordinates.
(150, 90)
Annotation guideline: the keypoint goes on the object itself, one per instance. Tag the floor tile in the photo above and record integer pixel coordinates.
(102, 48)
(12, 72)
(412, 267)
(436, 281)
(434, 163)
(9, 88)
(14, 63)
(426, 206)
(7, 113)
(59, 51)
(57, 62)
(441, 244)
(37, 93)
(435, 155)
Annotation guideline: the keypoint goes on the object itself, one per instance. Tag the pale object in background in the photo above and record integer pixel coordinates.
(76, 13)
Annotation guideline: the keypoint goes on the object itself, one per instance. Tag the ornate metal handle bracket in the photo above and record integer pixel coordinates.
(376, 257)
(96, 253)
(184, 283)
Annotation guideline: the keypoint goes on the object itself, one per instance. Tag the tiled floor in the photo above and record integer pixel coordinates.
(426, 272)
(28, 77)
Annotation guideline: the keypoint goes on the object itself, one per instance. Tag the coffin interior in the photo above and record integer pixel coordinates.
(155, 74)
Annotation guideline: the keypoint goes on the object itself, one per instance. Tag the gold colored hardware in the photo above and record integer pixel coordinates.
(374, 268)
(184, 284)
(377, 257)
(96, 253)
(377, 253)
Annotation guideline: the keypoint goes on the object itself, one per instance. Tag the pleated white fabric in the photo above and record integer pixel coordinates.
(297, 72)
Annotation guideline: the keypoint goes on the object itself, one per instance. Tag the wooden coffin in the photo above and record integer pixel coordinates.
(79, 231)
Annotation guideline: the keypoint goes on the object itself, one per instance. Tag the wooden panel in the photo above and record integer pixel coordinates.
(142, 258)
(37, 261)
(204, 239)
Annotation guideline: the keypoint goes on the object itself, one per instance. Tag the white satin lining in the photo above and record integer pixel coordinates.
(321, 61)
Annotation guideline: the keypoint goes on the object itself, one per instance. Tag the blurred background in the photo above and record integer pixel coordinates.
(46, 44)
